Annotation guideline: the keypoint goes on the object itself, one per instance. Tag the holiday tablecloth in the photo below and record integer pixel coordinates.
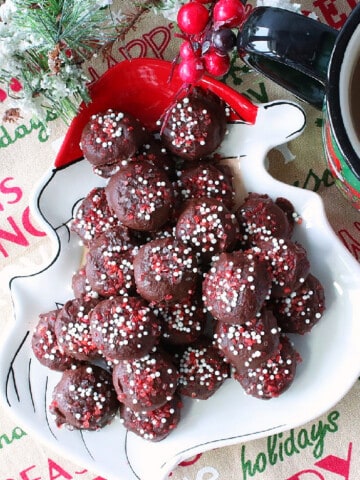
(328, 448)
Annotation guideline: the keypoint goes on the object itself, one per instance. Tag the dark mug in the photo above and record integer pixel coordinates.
(321, 66)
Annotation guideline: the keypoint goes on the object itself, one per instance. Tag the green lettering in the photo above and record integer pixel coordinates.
(43, 133)
(260, 464)
(281, 456)
(303, 439)
(332, 417)
(236, 72)
(5, 139)
(271, 447)
(317, 181)
(289, 445)
(17, 433)
(327, 178)
(293, 443)
(21, 131)
(313, 181)
(4, 439)
(246, 465)
(318, 434)
(261, 96)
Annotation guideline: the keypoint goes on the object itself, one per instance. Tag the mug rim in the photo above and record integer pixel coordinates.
(333, 92)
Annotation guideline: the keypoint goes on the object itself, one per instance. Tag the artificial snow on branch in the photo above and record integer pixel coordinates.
(43, 45)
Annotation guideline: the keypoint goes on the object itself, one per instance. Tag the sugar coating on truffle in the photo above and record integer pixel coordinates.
(84, 398)
(156, 424)
(207, 226)
(141, 196)
(165, 270)
(45, 345)
(274, 376)
(288, 263)
(248, 345)
(202, 370)
(301, 309)
(124, 328)
(236, 287)
(72, 329)
(109, 264)
(260, 218)
(110, 136)
(146, 383)
(195, 125)
(182, 322)
(206, 180)
(93, 216)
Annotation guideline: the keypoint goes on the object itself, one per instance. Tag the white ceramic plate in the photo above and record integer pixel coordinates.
(331, 356)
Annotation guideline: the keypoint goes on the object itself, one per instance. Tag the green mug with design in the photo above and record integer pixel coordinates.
(321, 66)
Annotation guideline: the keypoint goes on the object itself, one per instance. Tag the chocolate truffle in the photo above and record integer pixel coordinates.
(208, 227)
(165, 270)
(202, 370)
(109, 264)
(124, 328)
(183, 322)
(288, 208)
(274, 376)
(146, 383)
(141, 196)
(206, 180)
(236, 287)
(156, 424)
(93, 216)
(72, 329)
(249, 344)
(301, 309)
(84, 398)
(288, 264)
(195, 125)
(111, 136)
(260, 218)
(45, 345)
(81, 286)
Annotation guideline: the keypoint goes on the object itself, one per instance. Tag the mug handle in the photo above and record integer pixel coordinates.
(289, 48)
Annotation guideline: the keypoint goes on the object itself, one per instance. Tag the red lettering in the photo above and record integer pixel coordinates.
(352, 3)
(298, 475)
(18, 237)
(24, 474)
(331, 13)
(110, 60)
(29, 227)
(158, 39)
(7, 190)
(191, 461)
(93, 74)
(350, 242)
(136, 43)
(55, 471)
(338, 465)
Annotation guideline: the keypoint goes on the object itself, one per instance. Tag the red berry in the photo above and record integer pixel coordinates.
(192, 18)
(216, 64)
(15, 85)
(205, 1)
(191, 70)
(3, 95)
(189, 50)
(228, 13)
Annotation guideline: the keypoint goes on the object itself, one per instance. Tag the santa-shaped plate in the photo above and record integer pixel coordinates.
(330, 352)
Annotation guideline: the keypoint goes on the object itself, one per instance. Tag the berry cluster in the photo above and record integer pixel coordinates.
(208, 37)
